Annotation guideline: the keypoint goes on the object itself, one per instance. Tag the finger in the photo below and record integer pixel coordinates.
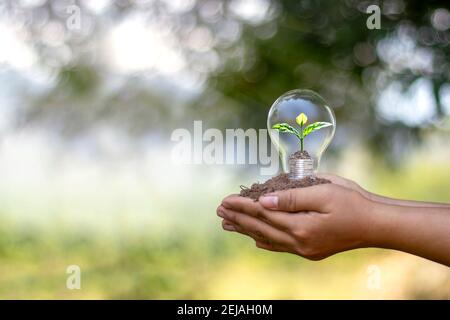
(220, 211)
(228, 226)
(260, 242)
(269, 247)
(229, 198)
(280, 220)
(313, 198)
(343, 182)
(258, 229)
(263, 244)
(333, 178)
(241, 204)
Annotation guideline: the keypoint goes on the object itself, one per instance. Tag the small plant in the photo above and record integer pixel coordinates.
(301, 121)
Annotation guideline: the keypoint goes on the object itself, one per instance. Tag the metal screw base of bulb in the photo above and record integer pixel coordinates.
(300, 168)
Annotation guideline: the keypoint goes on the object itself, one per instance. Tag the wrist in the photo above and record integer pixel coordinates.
(379, 225)
(383, 219)
(364, 218)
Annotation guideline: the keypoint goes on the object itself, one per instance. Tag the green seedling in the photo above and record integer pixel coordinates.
(303, 132)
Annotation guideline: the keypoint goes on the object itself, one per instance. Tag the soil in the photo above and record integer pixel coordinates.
(281, 182)
(277, 183)
(300, 155)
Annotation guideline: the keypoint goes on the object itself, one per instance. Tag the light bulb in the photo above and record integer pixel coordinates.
(291, 114)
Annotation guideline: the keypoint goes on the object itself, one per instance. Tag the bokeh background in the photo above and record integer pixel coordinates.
(87, 109)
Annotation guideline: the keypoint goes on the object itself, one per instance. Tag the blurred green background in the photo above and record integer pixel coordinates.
(90, 92)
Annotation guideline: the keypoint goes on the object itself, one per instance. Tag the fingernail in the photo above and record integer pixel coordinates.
(226, 205)
(221, 212)
(269, 201)
(229, 227)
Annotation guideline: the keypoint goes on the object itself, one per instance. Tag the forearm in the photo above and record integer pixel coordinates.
(407, 203)
(422, 231)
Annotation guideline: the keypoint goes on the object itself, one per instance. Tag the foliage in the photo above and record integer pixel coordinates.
(325, 46)
(302, 133)
(321, 45)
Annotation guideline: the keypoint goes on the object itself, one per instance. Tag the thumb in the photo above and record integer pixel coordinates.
(299, 199)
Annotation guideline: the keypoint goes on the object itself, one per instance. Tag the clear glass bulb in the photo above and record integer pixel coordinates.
(285, 110)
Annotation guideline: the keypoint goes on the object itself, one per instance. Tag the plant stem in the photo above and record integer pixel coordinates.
(301, 138)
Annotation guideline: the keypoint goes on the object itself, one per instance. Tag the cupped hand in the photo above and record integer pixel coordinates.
(313, 222)
(347, 183)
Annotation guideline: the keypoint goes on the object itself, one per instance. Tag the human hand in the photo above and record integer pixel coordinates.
(313, 222)
(352, 185)
(347, 183)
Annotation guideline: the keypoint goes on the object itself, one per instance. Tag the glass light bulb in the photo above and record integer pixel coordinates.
(293, 108)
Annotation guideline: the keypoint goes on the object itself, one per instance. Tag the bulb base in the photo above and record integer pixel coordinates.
(300, 168)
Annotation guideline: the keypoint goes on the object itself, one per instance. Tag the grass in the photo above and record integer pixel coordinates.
(152, 247)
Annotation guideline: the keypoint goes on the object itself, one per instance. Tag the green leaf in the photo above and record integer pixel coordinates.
(314, 127)
(285, 128)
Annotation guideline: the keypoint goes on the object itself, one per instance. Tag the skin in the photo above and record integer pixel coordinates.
(374, 197)
(319, 221)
